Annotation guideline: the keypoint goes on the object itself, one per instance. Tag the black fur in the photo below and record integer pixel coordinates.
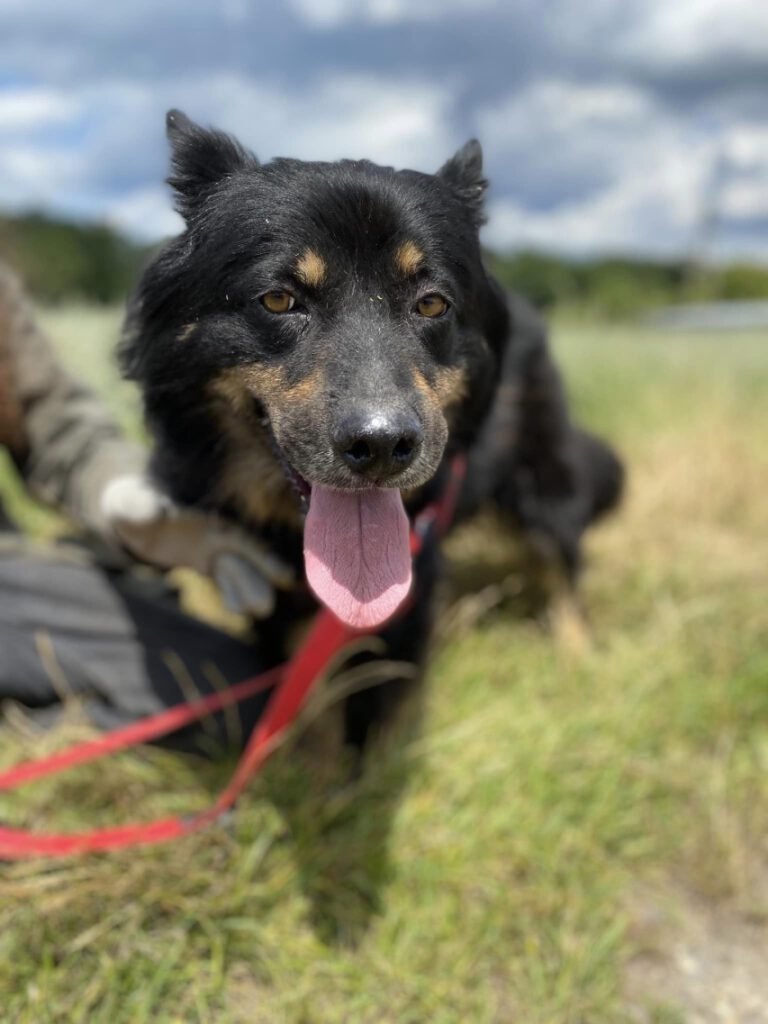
(226, 383)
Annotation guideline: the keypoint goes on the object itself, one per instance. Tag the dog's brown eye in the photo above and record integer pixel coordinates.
(278, 301)
(431, 305)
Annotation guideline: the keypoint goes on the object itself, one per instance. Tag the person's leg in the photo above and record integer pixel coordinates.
(118, 643)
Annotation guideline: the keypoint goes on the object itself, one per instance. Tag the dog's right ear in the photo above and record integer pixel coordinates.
(200, 159)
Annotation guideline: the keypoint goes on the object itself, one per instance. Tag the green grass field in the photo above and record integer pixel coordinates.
(558, 837)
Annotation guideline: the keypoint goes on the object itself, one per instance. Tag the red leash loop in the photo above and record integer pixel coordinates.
(292, 681)
(143, 731)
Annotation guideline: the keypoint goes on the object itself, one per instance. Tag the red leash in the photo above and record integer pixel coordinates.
(292, 681)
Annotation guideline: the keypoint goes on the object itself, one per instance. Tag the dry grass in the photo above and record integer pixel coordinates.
(488, 868)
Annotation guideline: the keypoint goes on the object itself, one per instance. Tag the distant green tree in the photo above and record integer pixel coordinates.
(622, 287)
(545, 280)
(61, 260)
(742, 281)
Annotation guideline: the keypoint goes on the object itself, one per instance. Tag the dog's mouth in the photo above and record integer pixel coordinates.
(357, 555)
(299, 484)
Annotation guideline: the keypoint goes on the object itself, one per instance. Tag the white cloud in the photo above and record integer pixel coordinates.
(745, 146)
(668, 34)
(745, 200)
(644, 176)
(402, 123)
(144, 213)
(555, 125)
(658, 210)
(27, 109)
(331, 13)
(656, 213)
(33, 176)
(359, 116)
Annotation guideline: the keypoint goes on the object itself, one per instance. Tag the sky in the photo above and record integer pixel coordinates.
(607, 125)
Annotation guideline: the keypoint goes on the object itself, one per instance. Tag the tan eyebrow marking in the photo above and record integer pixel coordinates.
(186, 331)
(311, 268)
(409, 257)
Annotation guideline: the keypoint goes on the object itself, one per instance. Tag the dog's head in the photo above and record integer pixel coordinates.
(333, 320)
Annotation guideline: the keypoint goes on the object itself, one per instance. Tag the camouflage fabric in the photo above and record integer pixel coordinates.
(80, 622)
(59, 433)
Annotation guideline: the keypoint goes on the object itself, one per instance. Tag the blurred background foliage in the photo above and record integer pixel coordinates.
(617, 288)
(64, 260)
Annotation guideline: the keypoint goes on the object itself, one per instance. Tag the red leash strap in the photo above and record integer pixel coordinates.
(444, 510)
(326, 637)
(292, 682)
(143, 731)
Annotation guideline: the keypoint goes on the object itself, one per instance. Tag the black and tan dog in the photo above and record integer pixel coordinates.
(312, 349)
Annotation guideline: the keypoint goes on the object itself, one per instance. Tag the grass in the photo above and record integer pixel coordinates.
(486, 868)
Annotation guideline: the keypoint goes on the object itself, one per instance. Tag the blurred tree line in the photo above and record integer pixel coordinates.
(620, 288)
(62, 261)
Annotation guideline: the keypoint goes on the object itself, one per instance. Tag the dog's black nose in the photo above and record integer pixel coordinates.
(378, 445)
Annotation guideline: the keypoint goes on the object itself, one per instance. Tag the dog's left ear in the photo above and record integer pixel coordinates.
(464, 174)
(200, 159)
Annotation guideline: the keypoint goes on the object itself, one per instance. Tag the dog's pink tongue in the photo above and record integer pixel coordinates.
(357, 554)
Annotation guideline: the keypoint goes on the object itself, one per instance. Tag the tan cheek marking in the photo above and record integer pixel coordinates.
(253, 483)
(449, 388)
(266, 382)
(306, 390)
(237, 384)
(311, 268)
(421, 383)
(251, 480)
(409, 258)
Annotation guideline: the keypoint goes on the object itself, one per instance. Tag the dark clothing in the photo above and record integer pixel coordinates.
(116, 642)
